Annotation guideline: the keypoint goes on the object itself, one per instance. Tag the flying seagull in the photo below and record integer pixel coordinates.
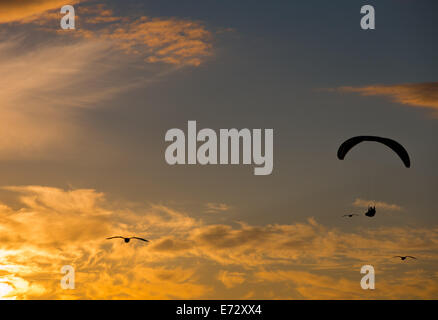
(350, 215)
(404, 257)
(127, 239)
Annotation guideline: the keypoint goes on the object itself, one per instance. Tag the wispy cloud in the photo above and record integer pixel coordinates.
(174, 41)
(231, 279)
(213, 207)
(46, 83)
(26, 10)
(43, 88)
(361, 203)
(188, 258)
(423, 95)
(170, 40)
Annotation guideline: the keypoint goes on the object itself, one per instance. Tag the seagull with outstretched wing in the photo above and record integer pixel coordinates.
(127, 239)
(405, 257)
(350, 215)
(145, 240)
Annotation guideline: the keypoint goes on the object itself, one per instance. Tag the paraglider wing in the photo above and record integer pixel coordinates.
(394, 145)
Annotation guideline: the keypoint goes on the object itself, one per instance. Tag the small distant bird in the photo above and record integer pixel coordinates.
(350, 215)
(404, 257)
(127, 239)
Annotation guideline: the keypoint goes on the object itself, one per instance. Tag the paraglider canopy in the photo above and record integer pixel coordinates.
(347, 145)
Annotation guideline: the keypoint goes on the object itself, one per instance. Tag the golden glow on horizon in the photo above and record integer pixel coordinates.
(5, 290)
(189, 258)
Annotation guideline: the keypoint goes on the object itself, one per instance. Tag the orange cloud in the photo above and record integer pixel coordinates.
(412, 94)
(82, 74)
(187, 258)
(56, 227)
(43, 83)
(168, 40)
(179, 42)
(28, 10)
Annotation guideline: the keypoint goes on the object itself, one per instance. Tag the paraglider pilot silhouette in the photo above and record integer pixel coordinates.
(371, 211)
(347, 145)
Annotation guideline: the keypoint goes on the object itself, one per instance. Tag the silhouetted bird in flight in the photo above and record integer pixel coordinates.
(405, 257)
(350, 215)
(127, 239)
(371, 212)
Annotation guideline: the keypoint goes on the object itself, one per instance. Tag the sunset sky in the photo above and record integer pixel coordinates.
(84, 112)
